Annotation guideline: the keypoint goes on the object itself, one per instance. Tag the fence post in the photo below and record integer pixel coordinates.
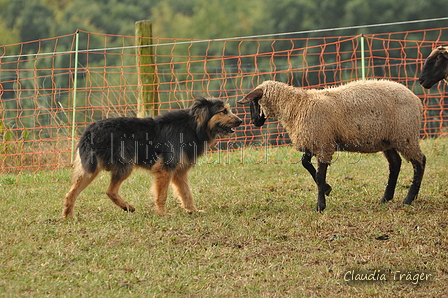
(147, 99)
(363, 63)
(75, 87)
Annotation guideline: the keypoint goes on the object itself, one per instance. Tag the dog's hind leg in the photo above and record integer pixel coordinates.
(182, 188)
(82, 180)
(112, 191)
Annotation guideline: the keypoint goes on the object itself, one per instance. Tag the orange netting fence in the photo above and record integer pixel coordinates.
(42, 112)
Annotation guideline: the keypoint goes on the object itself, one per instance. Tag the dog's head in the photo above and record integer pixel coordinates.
(256, 113)
(214, 117)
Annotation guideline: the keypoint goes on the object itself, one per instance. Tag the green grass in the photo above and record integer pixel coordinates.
(259, 236)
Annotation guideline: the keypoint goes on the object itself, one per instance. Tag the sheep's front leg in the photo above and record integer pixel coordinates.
(306, 162)
(394, 160)
(321, 185)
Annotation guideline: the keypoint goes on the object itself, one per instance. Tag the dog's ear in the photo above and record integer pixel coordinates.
(200, 102)
(200, 110)
(255, 94)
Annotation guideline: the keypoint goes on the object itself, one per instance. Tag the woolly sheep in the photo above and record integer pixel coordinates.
(435, 68)
(364, 116)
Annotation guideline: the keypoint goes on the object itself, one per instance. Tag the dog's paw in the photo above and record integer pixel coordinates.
(67, 213)
(160, 211)
(195, 211)
(129, 208)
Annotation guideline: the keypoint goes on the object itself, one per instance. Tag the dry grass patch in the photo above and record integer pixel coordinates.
(259, 238)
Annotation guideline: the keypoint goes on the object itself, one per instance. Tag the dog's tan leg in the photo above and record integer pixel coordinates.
(160, 187)
(112, 192)
(81, 182)
(182, 188)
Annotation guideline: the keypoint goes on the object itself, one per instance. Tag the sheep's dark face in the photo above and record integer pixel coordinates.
(257, 116)
(435, 68)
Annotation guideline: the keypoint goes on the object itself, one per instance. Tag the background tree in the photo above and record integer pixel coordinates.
(205, 19)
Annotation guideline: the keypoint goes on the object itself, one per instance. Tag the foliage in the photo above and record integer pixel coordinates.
(202, 19)
(259, 236)
(22, 21)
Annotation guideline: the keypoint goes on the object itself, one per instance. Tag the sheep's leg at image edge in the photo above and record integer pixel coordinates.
(321, 175)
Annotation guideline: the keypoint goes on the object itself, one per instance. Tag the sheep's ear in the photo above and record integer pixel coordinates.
(255, 94)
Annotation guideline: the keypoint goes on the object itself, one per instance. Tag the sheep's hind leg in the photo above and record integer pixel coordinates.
(394, 160)
(321, 186)
(306, 162)
(419, 169)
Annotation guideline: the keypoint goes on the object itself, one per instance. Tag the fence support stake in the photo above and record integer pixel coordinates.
(147, 101)
(363, 63)
(75, 86)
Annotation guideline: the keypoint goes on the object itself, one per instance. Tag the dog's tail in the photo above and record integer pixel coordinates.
(86, 153)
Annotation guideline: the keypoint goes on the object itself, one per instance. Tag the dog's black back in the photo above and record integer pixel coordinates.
(118, 142)
(177, 137)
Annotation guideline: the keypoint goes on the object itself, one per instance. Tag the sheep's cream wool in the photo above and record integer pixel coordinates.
(362, 116)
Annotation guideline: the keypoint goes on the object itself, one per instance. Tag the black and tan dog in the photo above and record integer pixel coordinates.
(167, 145)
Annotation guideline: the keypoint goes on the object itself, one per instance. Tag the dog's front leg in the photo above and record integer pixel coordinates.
(160, 188)
(182, 188)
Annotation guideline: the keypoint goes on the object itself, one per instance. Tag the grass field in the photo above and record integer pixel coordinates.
(259, 236)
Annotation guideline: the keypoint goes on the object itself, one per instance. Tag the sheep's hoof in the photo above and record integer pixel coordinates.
(385, 200)
(327, 189)
(320, 208)
(408, 200)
